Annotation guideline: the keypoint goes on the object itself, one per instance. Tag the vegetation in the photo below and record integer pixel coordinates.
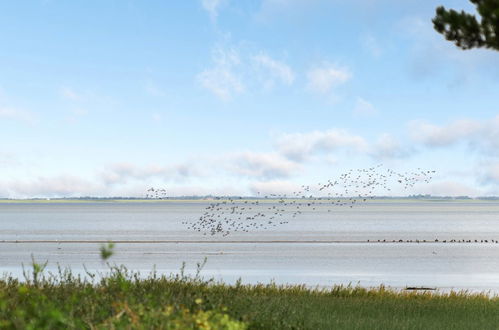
(122, 299)
(106, 251)
(465, 30)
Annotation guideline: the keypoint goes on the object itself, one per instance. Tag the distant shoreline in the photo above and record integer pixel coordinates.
(397, 242)
(379, 199)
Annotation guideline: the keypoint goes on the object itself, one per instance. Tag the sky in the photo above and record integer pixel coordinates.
(109, 98)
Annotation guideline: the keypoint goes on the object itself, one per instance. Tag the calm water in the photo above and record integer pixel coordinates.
(317, 248)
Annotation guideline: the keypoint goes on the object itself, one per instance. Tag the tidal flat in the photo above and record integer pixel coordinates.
(372, 244)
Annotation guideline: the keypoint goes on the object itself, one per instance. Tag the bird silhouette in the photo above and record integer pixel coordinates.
(349, 189)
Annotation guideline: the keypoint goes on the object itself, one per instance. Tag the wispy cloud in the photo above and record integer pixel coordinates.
(436, 136)
(481, 135)
(122, 173)
(235, 70)
(388, 147)
(325, 77)
(363, 108)
(489, 173)
(299, 146)
(262, 165)
(120, 179)
(57, 186)
(222, 79)
(273, 70)
(212, 7)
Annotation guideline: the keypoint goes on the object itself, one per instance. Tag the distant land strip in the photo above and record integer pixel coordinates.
(245, 242)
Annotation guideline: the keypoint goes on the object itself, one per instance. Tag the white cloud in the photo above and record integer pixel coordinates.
(222, 82)
(364, 108)
(388, 147)
(121, 173)
(231, 73)
(121, 179)
(489, 173)
(480, 135)
(262, 165)
(273, 70)
(16, 114)
(73, 186)
(493, 173)
(58, 186)
(212, 7)
(222, 79)
(325, 77)
(433, 135)
(299, 146)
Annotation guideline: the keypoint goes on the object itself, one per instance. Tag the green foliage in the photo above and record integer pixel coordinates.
(169, 317)
(465, 30)
(106, 251)
(122, 299)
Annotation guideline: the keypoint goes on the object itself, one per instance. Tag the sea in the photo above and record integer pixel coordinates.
(441, 244)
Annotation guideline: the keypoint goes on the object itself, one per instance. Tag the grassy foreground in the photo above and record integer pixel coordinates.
(125, 300)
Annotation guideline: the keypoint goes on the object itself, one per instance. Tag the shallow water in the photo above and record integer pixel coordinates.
(316, 248)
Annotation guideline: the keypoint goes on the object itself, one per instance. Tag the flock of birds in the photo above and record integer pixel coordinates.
(234, 214)
(436, 241)
(156, 193)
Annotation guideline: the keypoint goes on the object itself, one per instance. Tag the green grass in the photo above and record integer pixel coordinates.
(123, 299)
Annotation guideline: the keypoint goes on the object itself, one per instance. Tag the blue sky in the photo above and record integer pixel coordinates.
(108, 98)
